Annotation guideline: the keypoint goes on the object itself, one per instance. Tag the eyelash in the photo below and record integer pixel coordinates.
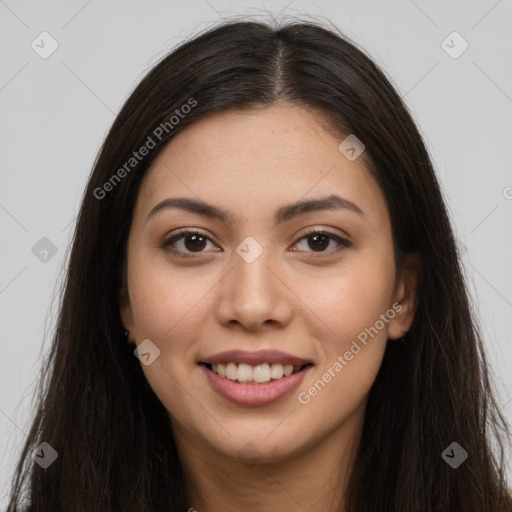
(343, 243)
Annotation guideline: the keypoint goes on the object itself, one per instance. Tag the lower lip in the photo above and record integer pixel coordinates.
(254, 394)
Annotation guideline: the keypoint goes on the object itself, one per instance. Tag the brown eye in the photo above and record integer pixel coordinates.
(186, 242)
(319, 241)
(195, 242)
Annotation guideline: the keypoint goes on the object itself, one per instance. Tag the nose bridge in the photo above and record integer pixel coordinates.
(251, 294)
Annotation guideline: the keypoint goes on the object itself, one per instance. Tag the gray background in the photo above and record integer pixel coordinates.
(55, 112)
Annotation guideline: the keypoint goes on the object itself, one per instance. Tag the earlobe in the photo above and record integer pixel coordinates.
(126, 323)
(406, 295)
(126, 332)
(125, 311)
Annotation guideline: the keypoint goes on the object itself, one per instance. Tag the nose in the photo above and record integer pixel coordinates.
(254, 295)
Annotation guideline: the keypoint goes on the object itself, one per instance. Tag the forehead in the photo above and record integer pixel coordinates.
(248, 160)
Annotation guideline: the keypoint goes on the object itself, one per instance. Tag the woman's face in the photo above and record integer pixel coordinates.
(258, 282)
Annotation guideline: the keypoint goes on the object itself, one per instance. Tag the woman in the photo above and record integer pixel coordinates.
(264, 308)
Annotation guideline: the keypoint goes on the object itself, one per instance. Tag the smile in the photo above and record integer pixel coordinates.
(254, 378)
(258, 374)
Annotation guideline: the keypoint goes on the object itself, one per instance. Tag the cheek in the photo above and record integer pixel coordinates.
(353, 347)
(351, 299)
(167, 307)
(354, 304)
(164, 300)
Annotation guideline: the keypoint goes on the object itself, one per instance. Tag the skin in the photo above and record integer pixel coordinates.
(306, 302)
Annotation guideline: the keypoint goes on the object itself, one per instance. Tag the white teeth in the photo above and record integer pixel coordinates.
(244, 373)
(231, 371)
(276, 371)
(260, 373)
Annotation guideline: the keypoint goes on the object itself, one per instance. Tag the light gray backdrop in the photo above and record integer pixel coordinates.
(55, 109)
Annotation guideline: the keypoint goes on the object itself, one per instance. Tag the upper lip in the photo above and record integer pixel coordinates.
(255, 358)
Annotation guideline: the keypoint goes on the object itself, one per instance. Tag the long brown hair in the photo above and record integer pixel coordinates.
(115, 447)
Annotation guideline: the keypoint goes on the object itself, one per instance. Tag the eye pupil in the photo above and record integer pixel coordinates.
(322, 238)
(197, 242)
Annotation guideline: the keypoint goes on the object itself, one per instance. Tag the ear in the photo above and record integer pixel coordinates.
(126, 309)
(406, 294)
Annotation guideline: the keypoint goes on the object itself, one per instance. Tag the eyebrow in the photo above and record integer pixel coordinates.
(285, 213)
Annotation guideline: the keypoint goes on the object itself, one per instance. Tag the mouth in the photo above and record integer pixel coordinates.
(254, 367)
(251, 379)
(254, 378)
(242, 373)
